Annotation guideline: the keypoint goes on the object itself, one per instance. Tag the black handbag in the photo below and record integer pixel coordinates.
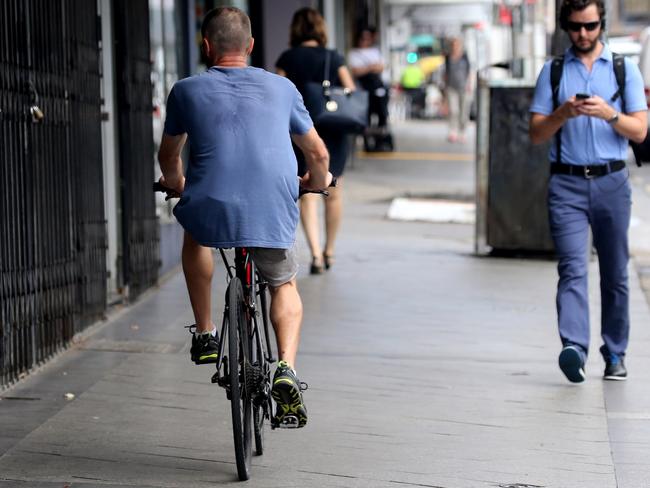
(335, 109)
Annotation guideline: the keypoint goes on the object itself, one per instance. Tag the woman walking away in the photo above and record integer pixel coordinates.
(305, 62)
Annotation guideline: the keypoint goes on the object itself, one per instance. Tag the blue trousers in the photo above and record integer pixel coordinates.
(604, 204)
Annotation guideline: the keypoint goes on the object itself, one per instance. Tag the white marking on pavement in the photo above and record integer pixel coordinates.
(427, 210)
(417, 156)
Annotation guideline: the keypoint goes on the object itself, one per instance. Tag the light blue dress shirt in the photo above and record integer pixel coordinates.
(590, 140)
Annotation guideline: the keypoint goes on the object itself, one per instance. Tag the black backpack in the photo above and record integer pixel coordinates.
(641, 150)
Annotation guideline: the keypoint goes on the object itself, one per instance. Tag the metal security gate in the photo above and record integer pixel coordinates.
(140, 228)
(52, 229)
(86, 153)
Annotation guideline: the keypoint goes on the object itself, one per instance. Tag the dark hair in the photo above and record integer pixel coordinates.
(570, 6)
(307, 25)
(228, 29)
(362, 30)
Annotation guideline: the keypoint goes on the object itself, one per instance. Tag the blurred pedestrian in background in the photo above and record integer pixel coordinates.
(367, 65)
(412, 83)
(578, 103)
(458, 88)
(305, 62)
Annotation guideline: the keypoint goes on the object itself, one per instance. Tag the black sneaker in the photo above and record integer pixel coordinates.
(287, 393)
(615, 369)
(205, 348)
(572, 364)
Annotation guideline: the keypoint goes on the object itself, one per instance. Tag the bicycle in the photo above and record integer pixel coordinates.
(245, 352)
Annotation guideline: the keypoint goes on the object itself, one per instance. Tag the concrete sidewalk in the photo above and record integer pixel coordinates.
(427, 366)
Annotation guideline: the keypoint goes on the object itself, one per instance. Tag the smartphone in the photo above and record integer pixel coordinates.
(582, 96)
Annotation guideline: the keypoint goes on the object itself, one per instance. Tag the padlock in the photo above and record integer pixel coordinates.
(37, 114)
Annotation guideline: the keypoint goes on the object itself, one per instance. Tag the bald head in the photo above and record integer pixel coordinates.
(228, 30)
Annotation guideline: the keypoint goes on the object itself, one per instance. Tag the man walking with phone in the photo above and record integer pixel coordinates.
(578, 102)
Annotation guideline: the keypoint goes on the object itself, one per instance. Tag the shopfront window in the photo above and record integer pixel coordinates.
(164, 17)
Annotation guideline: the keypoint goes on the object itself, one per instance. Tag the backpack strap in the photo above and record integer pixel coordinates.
(557, 66)
(619, 72)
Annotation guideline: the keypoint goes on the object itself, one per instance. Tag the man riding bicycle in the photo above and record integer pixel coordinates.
(241, 187)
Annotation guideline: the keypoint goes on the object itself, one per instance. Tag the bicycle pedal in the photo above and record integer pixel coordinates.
(289, 421)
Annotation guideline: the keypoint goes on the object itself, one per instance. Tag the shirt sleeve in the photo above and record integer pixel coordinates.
(174, 121)
(635, 100)
(300, 121)
(282, 62)
(337, 60)
(355, 59)
(543, 98)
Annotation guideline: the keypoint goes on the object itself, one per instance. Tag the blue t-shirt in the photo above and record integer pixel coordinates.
(241, 184)
(590, 140)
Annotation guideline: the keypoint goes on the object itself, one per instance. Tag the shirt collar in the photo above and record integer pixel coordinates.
(605, 54)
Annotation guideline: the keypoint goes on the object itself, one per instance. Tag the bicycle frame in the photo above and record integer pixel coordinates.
(246, 374)
(253, 286)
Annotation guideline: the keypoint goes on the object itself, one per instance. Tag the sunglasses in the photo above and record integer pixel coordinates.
(577, 26)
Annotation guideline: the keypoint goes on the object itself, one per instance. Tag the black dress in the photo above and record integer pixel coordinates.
(303, 64)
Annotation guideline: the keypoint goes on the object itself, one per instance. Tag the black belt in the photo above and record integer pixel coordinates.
(588, 171)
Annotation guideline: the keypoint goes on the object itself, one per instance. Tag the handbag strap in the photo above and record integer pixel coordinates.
(326, 75)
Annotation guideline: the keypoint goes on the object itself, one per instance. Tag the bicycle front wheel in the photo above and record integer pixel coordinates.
(239, 345)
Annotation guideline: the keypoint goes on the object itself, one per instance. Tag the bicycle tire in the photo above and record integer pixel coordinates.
(265, 327)
(238, 357)
(260, 410)
(258, 429)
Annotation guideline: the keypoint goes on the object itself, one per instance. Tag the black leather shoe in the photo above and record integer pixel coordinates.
(615, 370)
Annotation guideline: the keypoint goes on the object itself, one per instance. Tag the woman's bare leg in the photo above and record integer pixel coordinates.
(310, 224)
(333, 215)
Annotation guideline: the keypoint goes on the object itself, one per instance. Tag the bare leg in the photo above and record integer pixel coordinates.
(286, 317)
(453, 104)
(198, 267)
(309, 219)
(333, 213)
(463, 117)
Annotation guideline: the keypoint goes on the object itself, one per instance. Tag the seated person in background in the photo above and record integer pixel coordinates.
(367, 65)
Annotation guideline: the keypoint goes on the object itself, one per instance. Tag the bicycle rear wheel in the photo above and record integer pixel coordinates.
(239, 348)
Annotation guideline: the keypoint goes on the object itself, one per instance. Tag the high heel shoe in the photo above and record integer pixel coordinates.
(316, 267)
(328, 261)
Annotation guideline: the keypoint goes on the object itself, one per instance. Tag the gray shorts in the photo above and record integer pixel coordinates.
(277, 266)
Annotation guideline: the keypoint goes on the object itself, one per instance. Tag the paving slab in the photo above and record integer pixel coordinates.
(427, 366)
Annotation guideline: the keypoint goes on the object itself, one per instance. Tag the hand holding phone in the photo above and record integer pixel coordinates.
(582, 96)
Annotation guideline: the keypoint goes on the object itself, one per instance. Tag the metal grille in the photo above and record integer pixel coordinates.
(140, 231)
(86, 154)
(52, 232)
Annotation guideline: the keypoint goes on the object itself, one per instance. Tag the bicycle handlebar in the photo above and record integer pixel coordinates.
(159, 187)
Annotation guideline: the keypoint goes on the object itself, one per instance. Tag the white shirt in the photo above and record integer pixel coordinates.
(362, 57)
